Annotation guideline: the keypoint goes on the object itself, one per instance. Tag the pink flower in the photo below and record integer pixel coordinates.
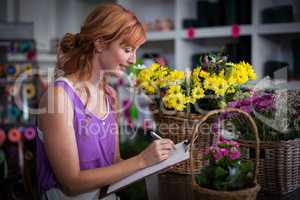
(234, 143)
(223, 142)
(224, 152)
(217, 155)
(234, 155)
(221, 138)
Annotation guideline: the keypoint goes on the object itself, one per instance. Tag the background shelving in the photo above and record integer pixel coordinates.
(270, 41)
(20, 89)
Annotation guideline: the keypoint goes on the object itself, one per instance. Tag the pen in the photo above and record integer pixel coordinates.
(155, 135)
(158, 137)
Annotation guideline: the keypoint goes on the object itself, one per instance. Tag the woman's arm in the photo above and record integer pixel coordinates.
(61, 149)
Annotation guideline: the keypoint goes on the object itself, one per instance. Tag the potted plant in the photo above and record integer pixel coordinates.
(225, 175)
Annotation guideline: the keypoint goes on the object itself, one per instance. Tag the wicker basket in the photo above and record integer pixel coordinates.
(279, 169)
(178, 126)
(210, 194)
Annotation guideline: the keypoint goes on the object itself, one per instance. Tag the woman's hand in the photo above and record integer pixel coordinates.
(157, 151)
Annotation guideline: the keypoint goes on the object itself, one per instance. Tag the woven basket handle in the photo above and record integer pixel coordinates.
(225, 110)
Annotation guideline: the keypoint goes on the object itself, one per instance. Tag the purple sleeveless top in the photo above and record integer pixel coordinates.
(95, 139)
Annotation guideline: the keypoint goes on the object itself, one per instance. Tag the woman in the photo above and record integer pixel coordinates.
(78, 145)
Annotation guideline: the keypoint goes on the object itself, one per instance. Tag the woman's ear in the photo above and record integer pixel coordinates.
(99, 45)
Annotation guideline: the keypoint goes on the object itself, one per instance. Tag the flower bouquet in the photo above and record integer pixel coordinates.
(276, 114)
(209, 86)
(180, 99)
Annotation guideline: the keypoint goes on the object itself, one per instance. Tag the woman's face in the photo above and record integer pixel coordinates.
(116, 57)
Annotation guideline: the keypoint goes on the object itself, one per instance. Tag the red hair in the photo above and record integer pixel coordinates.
(107, 22)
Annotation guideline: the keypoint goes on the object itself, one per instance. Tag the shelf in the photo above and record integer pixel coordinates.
(46, 58)
(225, 31)
(16, 30)
(278, 28)
(218, 31)
(18, 57)
(159, 36)
(4, 81)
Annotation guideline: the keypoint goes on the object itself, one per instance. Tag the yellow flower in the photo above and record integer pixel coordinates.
(221, 86)
(174, 90)
(190, 99)
(149, 88)
(216, 84)
(155, 75)
(203, 74)
(195, 74)
(162, 80)
(176, 75)
(251, 73)
(177, 102)
(230, 90)
(244, 72)
(240, 74)
(210, 83)
(166, 101)
(154, 66)
(197, 93)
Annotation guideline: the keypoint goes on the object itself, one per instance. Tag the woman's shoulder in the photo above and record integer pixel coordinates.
(52, 95)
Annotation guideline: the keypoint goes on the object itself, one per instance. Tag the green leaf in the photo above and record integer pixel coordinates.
(202, 180)
(246, 167)
(220, 173)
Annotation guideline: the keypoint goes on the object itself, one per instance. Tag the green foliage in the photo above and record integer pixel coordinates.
(225, 170)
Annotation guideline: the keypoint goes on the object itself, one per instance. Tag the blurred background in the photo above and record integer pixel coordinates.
(265, 33)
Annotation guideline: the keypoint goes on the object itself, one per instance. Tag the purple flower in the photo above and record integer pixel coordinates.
(265, 104)
(247, 109)
(263, 98)
(205, 60)
(217, 69)
(246, 102)
(233, 104)
(215, 127)
(204, 68)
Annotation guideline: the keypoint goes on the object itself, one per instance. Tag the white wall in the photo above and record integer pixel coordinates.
(43, 14)
(53, 18)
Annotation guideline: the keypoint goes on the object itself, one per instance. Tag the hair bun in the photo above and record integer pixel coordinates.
(68, 42)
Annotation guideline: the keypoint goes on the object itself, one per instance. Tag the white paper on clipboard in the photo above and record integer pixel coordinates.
(180, 154)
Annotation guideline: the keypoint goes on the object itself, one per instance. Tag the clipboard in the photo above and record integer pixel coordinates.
(181, 153)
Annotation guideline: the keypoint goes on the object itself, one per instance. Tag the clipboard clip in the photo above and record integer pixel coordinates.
(187, 144)
(103, 192)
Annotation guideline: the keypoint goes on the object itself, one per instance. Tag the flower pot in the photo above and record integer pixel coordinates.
(209, 194)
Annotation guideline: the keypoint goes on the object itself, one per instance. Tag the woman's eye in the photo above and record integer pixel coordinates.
(128, 50)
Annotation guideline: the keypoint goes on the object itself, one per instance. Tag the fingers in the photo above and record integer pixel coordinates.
(159, 150)
(163, 148)
(164, 144)
(163, 155)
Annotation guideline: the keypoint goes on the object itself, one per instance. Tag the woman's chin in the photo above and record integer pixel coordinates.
(118, 73)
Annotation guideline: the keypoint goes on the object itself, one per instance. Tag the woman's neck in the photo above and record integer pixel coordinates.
(97, 76)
